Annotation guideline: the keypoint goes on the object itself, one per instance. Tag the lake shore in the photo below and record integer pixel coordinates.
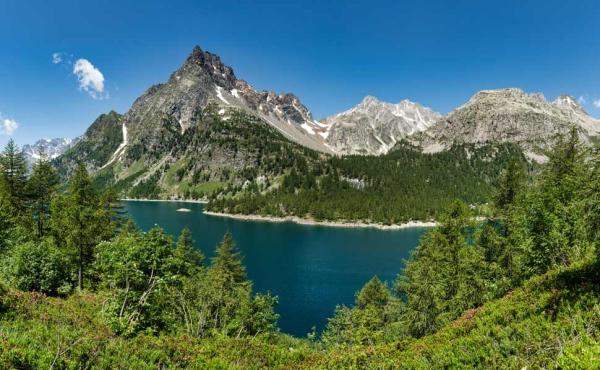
(197, 201)
(306, 221)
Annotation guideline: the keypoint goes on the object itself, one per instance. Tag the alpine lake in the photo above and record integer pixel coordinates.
(311, 268)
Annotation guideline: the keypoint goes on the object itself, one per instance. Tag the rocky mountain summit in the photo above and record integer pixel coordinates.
(509, 115)
(204, 79)
(50, 148)
(374, 127)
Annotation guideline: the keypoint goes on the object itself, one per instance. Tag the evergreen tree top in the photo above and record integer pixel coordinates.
(374, 293)
(228, 260)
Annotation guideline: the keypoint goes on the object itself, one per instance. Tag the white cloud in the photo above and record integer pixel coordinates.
(582, 100)
(597, 103)
(8, 126)
(90, 78)
(57, 58)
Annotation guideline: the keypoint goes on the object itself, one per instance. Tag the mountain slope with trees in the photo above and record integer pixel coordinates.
(400, 186)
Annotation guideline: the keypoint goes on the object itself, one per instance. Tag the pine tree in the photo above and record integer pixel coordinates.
(552, 221)
(41, 187)
(437, 278)
(7, 220)
(228, 260)
(509, 185)
(186, 255)
(14, 174)
(374, 293)
(80, 220)
(591, 196)
(563, 174)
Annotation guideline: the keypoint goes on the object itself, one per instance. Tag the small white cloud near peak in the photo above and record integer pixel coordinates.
(90, 78)
(57, 58)
(597, 103)
(582, 100)
(8, 126)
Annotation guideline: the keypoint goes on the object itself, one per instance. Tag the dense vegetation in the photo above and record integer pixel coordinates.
(403, 185)
(84, 289)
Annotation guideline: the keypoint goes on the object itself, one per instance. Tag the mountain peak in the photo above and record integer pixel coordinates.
(511, 115)
(50, 148)
(201, 62)
(369, 99)
(196, 53)
(510, 92)
(568, 102)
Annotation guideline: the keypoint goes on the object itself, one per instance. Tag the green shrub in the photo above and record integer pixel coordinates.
(40, 266)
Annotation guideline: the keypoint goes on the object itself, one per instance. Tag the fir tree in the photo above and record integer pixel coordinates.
(374, 293)
(14, 174)
(228, 260)
(41, 187)
(186, 254)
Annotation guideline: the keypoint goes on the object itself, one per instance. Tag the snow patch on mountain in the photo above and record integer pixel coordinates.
(120, 149)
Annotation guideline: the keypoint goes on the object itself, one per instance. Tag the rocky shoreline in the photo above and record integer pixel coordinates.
(305, 221)
(198, 201)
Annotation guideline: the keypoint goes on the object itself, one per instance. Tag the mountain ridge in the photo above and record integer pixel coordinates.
(510, 115)
(372, 127)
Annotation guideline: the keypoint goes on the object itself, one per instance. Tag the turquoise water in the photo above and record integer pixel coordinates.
(310, 268)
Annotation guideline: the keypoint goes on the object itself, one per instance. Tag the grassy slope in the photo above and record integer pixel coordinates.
(554, 321)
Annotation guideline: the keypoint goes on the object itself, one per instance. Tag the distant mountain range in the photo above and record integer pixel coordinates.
(197, 120)
(50, 148)
(374, 127)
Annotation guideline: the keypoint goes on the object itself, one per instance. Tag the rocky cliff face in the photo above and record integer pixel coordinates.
(204, 79)
(509, 115)
(374, 127)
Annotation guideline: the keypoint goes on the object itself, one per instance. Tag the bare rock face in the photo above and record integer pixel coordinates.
(374, 127)
(509, 115)
(204, 79)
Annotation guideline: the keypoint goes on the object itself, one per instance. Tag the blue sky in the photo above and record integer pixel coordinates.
(329, 53)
